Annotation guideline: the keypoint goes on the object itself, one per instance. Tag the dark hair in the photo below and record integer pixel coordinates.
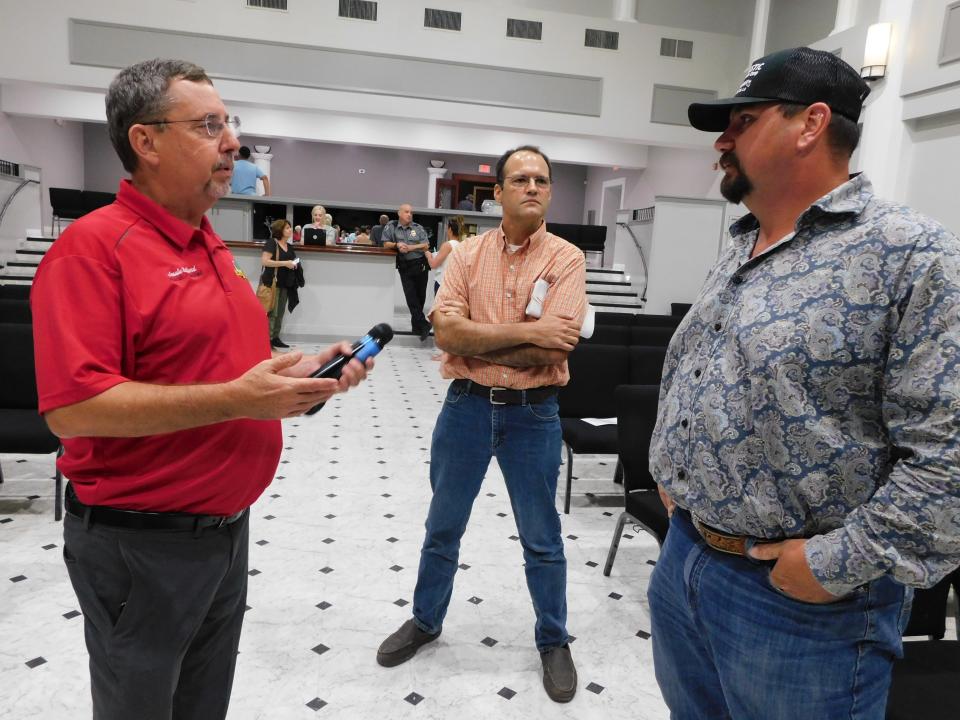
(139, 94)
(455, 227)
(843, 134)
(277, 227)
(244, 152)
(523, 148)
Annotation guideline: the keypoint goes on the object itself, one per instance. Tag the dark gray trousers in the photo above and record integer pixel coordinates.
(162, 617)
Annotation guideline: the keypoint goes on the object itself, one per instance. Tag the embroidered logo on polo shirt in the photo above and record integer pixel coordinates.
(240, 273)
(182, 273)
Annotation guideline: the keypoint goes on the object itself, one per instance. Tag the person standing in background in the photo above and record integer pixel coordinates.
(411, 242)
(376, 232)
(154, 367)
(279, 257)
(807, 442)
(437, 259)
(246, 174)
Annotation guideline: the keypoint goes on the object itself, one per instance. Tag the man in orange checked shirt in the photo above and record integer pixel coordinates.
(506, 370)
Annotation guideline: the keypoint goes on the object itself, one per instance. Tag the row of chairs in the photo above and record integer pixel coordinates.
(22, 429)
(70, 204)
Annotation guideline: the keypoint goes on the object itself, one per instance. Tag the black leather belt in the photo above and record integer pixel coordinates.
(136, 520)
(506, 396)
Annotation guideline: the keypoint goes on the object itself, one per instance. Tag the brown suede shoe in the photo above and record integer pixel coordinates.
(559, 674)
(403, 644)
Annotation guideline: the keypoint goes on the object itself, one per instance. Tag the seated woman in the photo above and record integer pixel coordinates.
(278, 257)
(333, 231)
(363, 237)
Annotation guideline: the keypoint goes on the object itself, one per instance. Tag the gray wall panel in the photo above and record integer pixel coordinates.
(116, 46)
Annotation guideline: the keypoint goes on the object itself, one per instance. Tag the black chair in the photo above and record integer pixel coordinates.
(22, 429)
(595, 371)
(680, 309)
(94, 200)
(651, 336)
(608, 335)
(67, 204)
(13, 310)
(646, 364)
(636, 417)
(926, 680)
(613, 318)
(15, 292)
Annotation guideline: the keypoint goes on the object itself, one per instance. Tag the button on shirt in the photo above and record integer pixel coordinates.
(496, 285)
(814, 391)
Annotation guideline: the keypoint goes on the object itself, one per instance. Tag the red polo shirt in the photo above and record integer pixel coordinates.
(132, 293)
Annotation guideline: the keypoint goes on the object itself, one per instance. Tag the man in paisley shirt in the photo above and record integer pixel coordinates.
(807, 437)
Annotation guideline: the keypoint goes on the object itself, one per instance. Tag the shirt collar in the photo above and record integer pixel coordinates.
(173, 228)
(850, 198)
(538, 236)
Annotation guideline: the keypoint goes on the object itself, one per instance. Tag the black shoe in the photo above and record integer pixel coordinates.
(278, 343)
(559, 674)
(403, 644)
(424, 334)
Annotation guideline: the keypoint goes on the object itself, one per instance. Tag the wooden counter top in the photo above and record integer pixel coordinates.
(336, 249)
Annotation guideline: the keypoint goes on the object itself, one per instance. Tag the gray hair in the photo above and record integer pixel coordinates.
(139, 94)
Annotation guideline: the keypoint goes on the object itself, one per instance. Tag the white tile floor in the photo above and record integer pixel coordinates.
(335, 543)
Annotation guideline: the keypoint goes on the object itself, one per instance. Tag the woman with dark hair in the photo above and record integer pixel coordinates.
(278, 257)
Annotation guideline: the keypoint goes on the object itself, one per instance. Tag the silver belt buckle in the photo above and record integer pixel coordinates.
(492, 391)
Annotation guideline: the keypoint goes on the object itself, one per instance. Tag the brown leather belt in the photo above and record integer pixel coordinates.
(725, 542)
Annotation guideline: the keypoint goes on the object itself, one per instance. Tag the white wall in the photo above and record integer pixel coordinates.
(669, 171)
(932, 188)
(57, 149)
(340, 116)
(793, 23)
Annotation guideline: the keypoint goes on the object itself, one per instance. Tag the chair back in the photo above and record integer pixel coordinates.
(18, 391)
(67, 203)
(652, 336)
(608, 335)
(642, 320)
(595, 371)
(94, 200)
(614, 318)
(646, 364)
(15, 292)
(636, 418)
(15, 311)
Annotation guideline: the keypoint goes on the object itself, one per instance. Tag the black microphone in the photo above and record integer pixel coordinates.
(366, 347)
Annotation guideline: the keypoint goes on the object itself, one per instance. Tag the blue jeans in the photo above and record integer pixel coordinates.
(526, 441)
(728, 645)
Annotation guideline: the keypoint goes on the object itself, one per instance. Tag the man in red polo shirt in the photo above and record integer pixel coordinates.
(154, 366)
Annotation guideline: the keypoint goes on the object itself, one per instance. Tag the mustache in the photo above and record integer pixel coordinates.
(224, 163)
(727, 159)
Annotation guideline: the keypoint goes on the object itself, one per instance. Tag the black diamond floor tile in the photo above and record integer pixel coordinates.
(615, 596)
(643, 634)
(489, 641)
(506, 693)
(590, 563)
(72, 614)
(413, 698)
(316, 704)
(253, 573)
(323, 605)
(594, 688)
(36, 662)
(475, 600)
(400, 602)
(326, 570)
(18, 578)
(320, 649)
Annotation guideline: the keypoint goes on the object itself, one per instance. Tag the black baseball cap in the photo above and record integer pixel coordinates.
(799, 75)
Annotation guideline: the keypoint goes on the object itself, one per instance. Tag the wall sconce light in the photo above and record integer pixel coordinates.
(875, 52)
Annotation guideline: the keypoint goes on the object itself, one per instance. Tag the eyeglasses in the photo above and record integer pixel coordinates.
(521, 182)
(214, 124)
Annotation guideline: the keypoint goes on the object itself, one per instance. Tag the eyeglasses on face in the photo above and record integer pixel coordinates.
(521, 182)
(213, 123)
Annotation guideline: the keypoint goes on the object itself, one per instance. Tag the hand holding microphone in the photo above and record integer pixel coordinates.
(366, 347)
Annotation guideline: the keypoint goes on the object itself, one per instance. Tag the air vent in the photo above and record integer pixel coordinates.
(603, 39)
(441, 19)
(525, 29)
(268, 4)
(11, 169)
(643, 214)
(358, 9)
(670, 47)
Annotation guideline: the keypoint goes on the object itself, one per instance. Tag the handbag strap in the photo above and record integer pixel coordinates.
(276, 257)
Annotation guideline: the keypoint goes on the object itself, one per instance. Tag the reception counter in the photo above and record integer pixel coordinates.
(348, 290)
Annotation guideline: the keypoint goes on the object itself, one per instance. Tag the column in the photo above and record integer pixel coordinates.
(262, 161)
(758, 37)
(435, 174)
(625, 10)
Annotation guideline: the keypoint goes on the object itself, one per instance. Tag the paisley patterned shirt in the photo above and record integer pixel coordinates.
(814, 391)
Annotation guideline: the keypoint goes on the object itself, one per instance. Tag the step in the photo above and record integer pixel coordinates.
(39, 246)
(608, 282)
(38, 239)
(606, 306)
(31, 251)
(20, 272)
(623, 294)
(23, 262)
(15, 280)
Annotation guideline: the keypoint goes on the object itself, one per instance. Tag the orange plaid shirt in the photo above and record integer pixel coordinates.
(496, 285)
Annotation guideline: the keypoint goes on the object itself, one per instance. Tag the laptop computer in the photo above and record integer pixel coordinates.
(315, 236)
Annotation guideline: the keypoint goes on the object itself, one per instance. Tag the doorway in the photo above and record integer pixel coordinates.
(611, 199)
